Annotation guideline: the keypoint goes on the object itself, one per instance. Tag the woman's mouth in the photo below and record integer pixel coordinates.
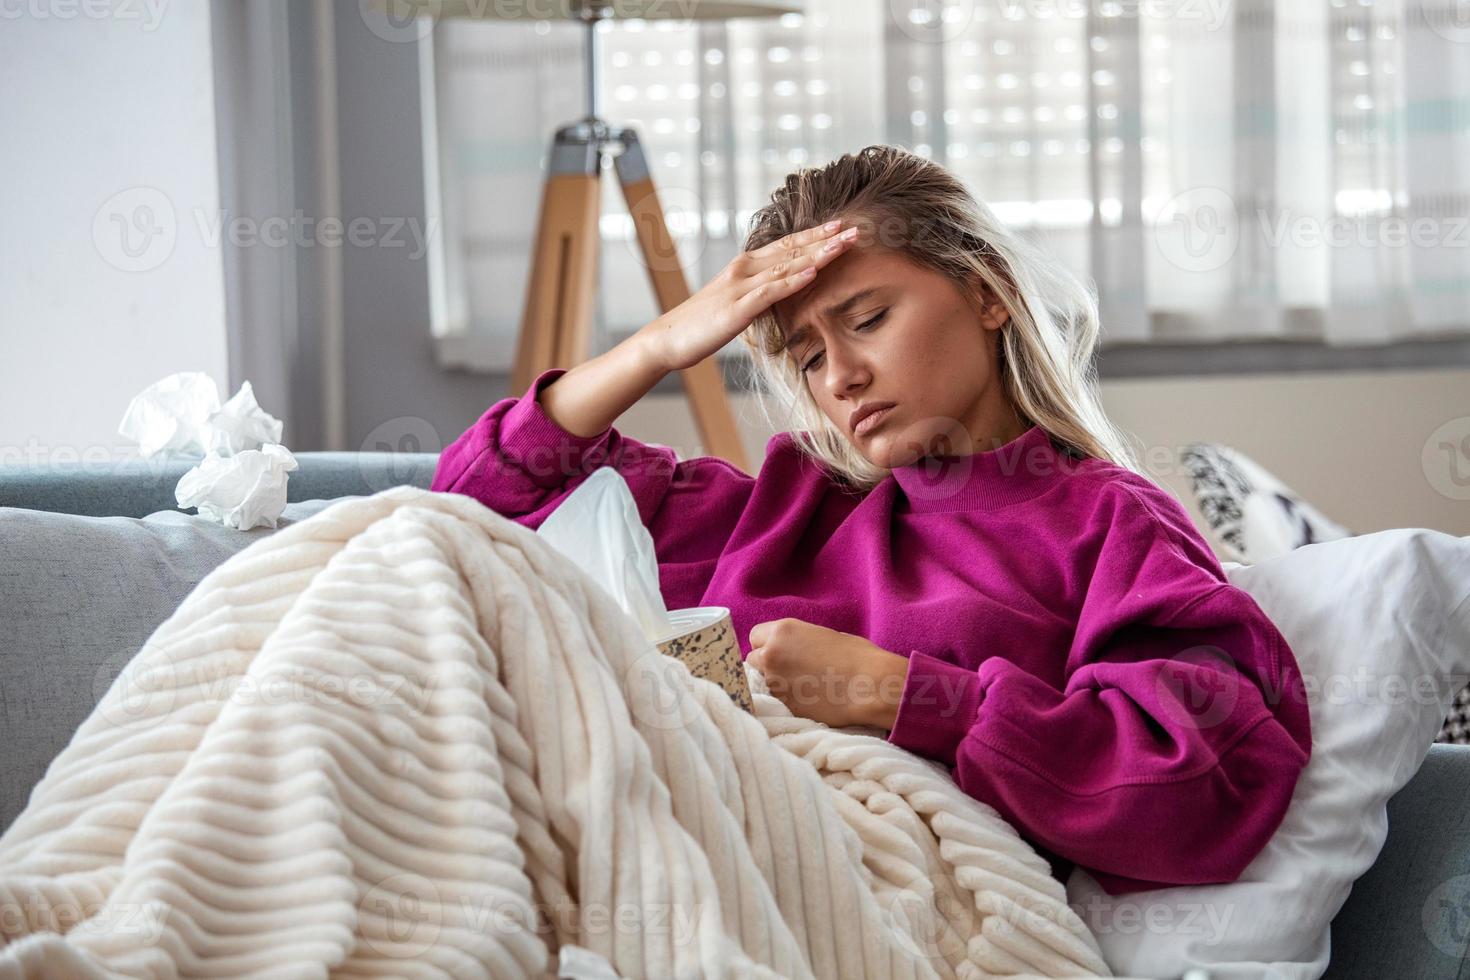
(871, 421)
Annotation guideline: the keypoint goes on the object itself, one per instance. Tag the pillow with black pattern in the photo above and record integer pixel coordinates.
(1251, 515)
(1254, 516)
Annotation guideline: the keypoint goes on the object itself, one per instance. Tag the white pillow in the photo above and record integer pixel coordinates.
(1380, 626)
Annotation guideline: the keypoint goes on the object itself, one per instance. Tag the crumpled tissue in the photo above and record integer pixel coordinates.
(243, 491)
(182, 413)
(241, 482)
(597, 526)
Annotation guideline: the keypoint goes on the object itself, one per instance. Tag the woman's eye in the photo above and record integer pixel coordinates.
(866, 325)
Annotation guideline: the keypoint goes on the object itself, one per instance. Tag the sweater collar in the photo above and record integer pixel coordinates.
(1008, 474)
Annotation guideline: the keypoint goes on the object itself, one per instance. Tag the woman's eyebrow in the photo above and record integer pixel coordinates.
(836, 309)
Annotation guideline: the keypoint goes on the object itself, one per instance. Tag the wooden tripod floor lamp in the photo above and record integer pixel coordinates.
(556, 320)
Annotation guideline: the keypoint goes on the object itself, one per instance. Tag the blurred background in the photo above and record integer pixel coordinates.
(338, 203)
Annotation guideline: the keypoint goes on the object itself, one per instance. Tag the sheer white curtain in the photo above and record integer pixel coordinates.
(1221, 169)
(1316, 181)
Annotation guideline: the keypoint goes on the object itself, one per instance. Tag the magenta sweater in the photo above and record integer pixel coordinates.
(1076, 655)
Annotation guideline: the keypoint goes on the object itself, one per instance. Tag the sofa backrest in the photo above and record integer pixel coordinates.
(138, 487)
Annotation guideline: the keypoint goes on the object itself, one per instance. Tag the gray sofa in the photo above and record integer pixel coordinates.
(91, 561)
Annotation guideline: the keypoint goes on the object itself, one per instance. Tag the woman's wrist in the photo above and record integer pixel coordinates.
(591, 396)
(646, 343)
(889, 672)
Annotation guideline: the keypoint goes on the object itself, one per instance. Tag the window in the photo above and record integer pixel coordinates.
(1222, 173)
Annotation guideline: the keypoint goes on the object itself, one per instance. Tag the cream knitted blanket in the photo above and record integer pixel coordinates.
(406, 737)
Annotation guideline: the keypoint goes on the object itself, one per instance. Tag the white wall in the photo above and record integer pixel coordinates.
(108, 111)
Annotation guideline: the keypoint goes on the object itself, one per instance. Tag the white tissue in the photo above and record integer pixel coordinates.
(241, 481)
(245, 490)
(242, 424)
(172, 414)
(598, 527)
(182, 413)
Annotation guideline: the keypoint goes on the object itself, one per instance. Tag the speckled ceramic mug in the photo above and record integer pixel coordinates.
(703, 638)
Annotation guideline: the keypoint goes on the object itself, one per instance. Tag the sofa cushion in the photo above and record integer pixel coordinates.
(79, 596)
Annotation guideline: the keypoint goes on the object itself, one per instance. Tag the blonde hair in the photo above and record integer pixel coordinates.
(922, 211)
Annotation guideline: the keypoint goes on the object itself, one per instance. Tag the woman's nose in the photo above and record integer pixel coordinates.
(846, 372)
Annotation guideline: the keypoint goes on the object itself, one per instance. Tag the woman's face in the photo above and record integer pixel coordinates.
(874, 327)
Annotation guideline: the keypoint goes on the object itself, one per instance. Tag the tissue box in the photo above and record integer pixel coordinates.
(703, 639)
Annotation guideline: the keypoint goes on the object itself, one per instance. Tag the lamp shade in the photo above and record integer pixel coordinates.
(594, 9)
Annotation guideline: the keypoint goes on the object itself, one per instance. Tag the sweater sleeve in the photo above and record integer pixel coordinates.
(1169, 752)
(519, 462)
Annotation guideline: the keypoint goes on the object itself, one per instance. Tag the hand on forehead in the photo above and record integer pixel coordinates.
(837, 288)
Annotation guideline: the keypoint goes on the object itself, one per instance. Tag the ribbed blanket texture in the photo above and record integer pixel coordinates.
(408, 737)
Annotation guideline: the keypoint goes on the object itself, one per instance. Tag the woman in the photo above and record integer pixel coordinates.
(947, 539)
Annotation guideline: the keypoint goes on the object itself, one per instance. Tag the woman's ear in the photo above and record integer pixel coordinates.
(988, 307)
